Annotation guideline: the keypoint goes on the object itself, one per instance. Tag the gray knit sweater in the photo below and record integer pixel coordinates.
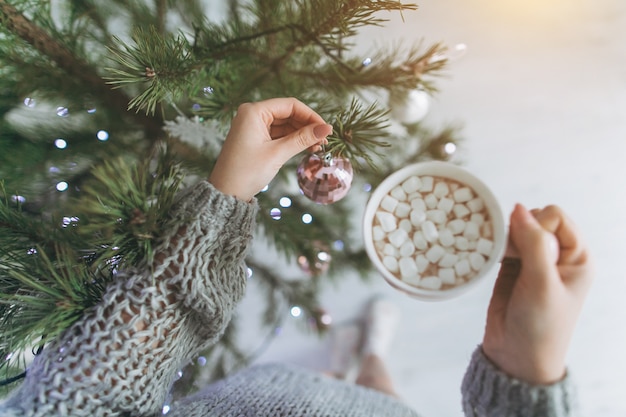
(121, 358)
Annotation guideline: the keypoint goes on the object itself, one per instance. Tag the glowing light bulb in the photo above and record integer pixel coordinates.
(326, 319)
(449, 148)
(62, 186)
(285, 202)
(296, 311)
(275, 213)
(102, 135)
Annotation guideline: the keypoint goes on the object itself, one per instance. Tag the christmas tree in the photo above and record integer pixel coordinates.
(109, 108)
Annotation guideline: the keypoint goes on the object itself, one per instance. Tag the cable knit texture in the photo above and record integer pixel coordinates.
(488, 392)
(121, 358)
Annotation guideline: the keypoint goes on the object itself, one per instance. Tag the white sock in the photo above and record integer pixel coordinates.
(381, 321)
(345, 350)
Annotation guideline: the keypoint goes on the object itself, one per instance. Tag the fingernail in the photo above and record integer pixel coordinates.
(321, 131)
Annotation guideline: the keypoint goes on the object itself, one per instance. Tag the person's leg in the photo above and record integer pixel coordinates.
(345, 351)
(381, 321)
(373, 374)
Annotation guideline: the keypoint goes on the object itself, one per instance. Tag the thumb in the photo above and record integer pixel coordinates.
(302, 139)
(538, 248)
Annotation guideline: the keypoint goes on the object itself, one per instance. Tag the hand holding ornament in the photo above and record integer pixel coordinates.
(263, 136)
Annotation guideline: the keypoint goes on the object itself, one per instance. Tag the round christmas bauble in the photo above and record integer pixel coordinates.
(409, 107)
(324, 178)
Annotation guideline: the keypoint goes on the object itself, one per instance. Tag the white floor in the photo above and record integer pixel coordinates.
(542, 97)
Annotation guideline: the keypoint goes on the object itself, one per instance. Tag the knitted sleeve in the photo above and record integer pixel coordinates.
(488, 392)
(122, 356)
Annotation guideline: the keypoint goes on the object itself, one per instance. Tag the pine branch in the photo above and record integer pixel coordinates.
(160, 60)
(18, 24)
(358, 133)
(161, 14)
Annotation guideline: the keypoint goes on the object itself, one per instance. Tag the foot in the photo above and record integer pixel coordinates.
(381, 321)
(345, 357)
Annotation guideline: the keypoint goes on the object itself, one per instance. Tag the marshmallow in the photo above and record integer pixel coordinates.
(484, 246)
(414, 280)
(447, 276)
(463, 195)
(391, 250)
(436, 216)
(398, 237)
(435, 253)
(475, 205)
(477, 218)
(427, 184)
(402, 210)
(391, 263)
(431, 201)
(441, 189)
(406, 225)
(418, 203)
(417, 217)
(412, 184)
(460, 210)
(476, 260)
(430, 231)
(430, 283)
(408, 268)
(387, 221)
(398, 193)
(407, 249)
(461, 243)
(378, 233)
(422, 263)
(388, 203)
(471, 231)
(446, 238)
(456, 226)
(445, 204)
(462, 267)
(420, 241)
(448, 260)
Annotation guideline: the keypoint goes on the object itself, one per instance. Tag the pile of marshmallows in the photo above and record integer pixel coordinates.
(433, 232)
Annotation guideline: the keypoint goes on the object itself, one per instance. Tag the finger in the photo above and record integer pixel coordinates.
(553, 219)
(287, 108)
(302, 139)
(292, 122)
(280, 131)
(538, 249)
(503, 287)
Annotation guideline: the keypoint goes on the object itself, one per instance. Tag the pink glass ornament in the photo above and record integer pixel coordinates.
(324, 178)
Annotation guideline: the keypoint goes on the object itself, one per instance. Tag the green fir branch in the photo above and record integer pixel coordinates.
(358, 133)
(127, 207)
(158, 59)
